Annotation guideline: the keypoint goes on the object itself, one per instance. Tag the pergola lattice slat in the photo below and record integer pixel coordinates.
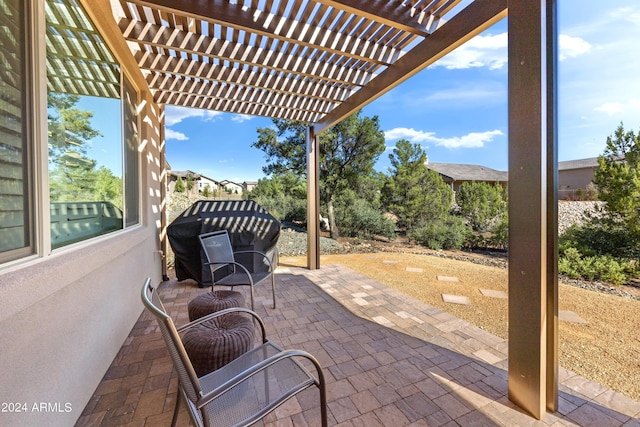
(290, 58)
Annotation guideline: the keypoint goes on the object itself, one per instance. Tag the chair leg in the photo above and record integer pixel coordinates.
(176, 409)
(273, 289)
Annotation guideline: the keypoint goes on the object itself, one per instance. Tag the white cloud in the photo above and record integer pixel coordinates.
(172, 134)
(613, 108)
(174, 115)
(571, 47)
(466, 93)
(241, 118)
(481, 51)
(628, 14)
(470, 140)
(491, 52)
(610, 108)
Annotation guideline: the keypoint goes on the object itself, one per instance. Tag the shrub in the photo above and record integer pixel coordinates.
(602, 267)
(283, 196)
(360, 219)
(592, 192)
(496, 238)
(601, 237)
(448, 233)
(481, 204)
(284, 207)
(500, 233)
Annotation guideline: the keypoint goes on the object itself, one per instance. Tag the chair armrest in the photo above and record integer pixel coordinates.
(262, 254)
(213, 394)
(222, 313)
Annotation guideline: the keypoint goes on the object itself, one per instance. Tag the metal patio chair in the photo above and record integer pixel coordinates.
(232, 267)
(244, 390)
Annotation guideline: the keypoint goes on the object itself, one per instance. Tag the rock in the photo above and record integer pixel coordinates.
(570, 213)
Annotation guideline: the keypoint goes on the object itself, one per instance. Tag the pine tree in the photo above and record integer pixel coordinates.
(179, 187)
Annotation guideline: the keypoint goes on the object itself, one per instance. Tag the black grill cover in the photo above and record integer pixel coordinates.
(249, 225)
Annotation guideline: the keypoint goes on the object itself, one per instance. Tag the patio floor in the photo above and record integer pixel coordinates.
(389, 360)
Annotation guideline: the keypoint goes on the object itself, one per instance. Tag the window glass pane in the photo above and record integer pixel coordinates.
(131, 158)
(85, 136)
(15, 236)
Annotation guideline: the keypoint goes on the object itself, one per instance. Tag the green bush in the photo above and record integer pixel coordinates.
(601, 237)
(481, 204)
(500, 233)
(360, 219)
(283, 196)
(601, 267)
(448, 233)
(284, 207)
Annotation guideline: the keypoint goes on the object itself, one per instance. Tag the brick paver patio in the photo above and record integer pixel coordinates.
(389, 360)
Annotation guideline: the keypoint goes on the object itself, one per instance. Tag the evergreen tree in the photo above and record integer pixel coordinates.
(618, 178)
(348, 152)
(414, 193)
(73, 175)
(481, 204)
(190, 182)
(179, 187)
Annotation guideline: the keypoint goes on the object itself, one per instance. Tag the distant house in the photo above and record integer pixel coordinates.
(231, 187)
(204, 182)
(575, 175)
(249, 185)
(456, 174)
(172, 178)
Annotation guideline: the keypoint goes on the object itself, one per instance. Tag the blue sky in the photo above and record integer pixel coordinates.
(457, 108)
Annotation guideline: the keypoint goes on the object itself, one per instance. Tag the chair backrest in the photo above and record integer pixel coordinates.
(217, 248)
(186, 374)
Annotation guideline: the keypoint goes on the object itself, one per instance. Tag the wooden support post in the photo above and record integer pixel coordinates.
(532, 206)
(313, 201)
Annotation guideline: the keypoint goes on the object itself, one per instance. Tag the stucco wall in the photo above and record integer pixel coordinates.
(63, 321)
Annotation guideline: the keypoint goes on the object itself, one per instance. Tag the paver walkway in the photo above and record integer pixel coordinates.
(389, 359)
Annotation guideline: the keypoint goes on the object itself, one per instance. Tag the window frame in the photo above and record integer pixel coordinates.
(36, 159)
(26, 107)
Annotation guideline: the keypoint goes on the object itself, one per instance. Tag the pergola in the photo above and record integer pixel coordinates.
(318, 61)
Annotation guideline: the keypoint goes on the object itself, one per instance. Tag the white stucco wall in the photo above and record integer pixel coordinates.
(63, 320)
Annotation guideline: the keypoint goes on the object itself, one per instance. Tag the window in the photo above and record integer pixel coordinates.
(15, 204)
(92, 131)
(93, 140)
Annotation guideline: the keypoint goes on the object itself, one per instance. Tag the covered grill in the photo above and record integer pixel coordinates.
(249, 225)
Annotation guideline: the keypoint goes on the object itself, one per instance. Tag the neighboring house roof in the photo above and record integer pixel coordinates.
(458, 172)
(591, 162)
(184, 174)
(227, 182)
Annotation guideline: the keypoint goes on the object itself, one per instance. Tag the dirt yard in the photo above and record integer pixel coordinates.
(605, 349)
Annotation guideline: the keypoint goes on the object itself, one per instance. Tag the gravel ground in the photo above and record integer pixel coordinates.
(606, 349)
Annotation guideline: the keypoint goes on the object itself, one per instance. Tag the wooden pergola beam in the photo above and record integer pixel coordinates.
(471, 21)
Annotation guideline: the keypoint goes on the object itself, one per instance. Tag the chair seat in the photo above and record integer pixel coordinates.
(237, 279)
(214, 343)
(213, 301)
(247, 402)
